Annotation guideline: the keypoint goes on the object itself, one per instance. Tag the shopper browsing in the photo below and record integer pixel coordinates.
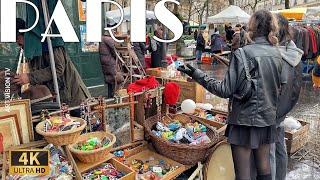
(253, 94)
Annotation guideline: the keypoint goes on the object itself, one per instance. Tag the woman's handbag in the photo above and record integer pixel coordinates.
(245, 89)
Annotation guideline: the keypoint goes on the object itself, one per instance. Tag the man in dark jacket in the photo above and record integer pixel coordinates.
(201, 44)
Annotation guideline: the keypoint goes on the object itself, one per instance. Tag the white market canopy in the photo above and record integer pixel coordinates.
(233, 14)
(115, 15)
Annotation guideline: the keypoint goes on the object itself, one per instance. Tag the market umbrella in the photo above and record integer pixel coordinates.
(115, 15)
(232, 14)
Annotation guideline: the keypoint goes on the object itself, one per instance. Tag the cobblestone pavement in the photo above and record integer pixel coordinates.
(304, 165)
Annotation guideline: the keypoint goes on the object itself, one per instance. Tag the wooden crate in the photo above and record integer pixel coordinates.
(85, 167)
(188, 89)
(154, 72)
(219, 128)
(132, 148)
(146, 154)
(130, 174)
(296, 140)
(35, 145)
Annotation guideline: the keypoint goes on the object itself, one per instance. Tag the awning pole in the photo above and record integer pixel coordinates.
(51, 56)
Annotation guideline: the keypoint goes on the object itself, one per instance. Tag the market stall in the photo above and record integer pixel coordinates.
(232, 14)
(110, 137)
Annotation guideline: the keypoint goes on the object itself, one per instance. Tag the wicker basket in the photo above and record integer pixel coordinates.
(183, 153)
(64, 137)
(94, 155)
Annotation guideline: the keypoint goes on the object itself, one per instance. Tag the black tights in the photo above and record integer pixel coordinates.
(242, 162)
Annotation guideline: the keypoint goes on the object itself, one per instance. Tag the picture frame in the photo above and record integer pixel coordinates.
(10, 130)
(23, 112)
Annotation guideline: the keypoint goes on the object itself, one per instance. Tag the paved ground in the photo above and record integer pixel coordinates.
(308, 109)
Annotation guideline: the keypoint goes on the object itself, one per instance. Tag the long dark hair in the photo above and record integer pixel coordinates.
(263, 24)
(284, 35)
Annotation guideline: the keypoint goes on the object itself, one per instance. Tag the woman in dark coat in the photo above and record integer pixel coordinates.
(156, 49)
(108, 63)
(253, 93)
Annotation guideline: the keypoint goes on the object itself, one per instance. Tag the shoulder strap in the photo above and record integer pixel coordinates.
(245, 63)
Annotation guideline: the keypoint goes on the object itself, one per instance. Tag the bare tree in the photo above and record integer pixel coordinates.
(200, 8)
(252, 4)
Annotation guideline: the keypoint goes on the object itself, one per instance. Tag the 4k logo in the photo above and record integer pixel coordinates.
(29, 162)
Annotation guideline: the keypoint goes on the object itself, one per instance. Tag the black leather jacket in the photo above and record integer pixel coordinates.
(265, 64)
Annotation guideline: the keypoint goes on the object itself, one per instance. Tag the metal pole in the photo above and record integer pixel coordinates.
(51, 56)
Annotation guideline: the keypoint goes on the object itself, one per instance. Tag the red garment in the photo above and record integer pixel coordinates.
(314, 47)
(143, 85)
(171, 93)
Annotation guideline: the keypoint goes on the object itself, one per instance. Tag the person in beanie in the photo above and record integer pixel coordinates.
(252, 84)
